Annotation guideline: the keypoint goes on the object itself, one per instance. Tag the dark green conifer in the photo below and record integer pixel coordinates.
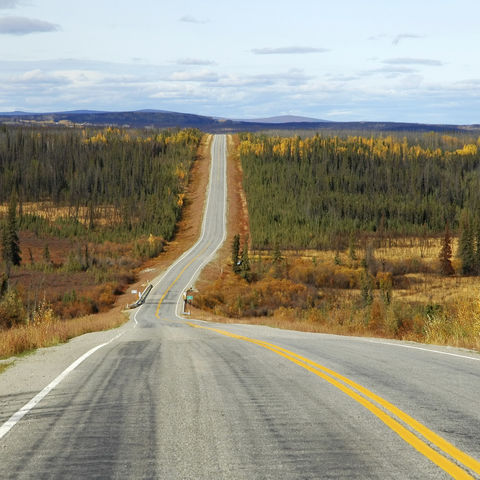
(466, 247)
(446, 267)
(10, 241)
(245, 262)
(236, 253)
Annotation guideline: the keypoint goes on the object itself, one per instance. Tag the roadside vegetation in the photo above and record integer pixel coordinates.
(80, 210)
(366, 236)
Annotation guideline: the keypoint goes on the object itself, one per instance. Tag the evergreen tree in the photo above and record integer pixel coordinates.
(366, 288)
(3, 284)
(235, 253)
(10, 242)
(446, 267)
(466, 248)
(245, 262)
(277, 254)
(46, 256)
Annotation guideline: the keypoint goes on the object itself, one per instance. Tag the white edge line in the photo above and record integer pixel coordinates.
(193, 277)
(179, 259)
(193, 247)
(426, 350)
(17, 416)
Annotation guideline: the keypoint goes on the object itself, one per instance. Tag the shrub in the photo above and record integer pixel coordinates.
(12, 311)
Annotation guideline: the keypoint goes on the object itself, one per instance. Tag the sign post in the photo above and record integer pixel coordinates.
(187, 300)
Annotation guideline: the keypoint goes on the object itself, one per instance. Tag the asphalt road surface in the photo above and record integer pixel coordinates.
(170, 397)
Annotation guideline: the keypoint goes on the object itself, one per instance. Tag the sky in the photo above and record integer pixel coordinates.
(342, 60)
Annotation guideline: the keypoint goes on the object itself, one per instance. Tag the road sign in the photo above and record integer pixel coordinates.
(189, 298)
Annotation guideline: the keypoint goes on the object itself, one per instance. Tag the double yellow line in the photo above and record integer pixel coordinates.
(157, 312)
(366, 398)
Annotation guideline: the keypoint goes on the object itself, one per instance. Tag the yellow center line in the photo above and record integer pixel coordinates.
(327, 374)
(176, 279)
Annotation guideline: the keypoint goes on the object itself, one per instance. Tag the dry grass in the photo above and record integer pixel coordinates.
(4, 366)
(47, 333)
(104, 215)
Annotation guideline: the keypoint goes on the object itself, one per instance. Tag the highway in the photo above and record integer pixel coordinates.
(170, 397)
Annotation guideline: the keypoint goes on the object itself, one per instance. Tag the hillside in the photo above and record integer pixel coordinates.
(163, 119)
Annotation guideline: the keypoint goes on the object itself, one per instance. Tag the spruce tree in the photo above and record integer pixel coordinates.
(3, 284)
(236, 253)
(277, 254)
(466, 248)
(46, 256)
(10, 242)
(446, 267)
(245, 262)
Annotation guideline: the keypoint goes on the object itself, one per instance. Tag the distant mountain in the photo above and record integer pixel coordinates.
(164, 119)
(15, 113)
(80, 112)
(285, 119)
(19, 113)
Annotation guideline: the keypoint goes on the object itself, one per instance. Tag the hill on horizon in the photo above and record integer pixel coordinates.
(164, 119)
(286, 119)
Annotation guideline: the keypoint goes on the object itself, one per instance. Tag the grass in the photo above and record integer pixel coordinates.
(4, 366)
(25, 338)
(106, 215)
(324, 291)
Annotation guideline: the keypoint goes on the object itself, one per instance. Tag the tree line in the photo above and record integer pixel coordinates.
(306, 193)
(120, 182)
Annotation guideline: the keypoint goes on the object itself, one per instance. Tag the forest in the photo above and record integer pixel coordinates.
(112, 183)
(314, 192)
(358, 235)
(80, 210)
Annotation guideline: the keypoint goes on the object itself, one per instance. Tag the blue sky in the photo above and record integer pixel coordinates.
(413, 61)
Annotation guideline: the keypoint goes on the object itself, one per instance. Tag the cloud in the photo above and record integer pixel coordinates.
(191, 19)
(69, 84)
(291, 78)
(340, 113)
(403, 36)
(413, 61)
(335, 77)
(390, 70)
(4, 4)
(24, 26)
(380, 36)
(38, 78)
(194, 61)
(293, 50)
(199, 76)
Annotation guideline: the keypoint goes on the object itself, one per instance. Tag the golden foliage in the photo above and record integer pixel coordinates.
(378, 146)
(324, 296)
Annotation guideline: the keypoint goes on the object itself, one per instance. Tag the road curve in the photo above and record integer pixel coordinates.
(169, 397)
